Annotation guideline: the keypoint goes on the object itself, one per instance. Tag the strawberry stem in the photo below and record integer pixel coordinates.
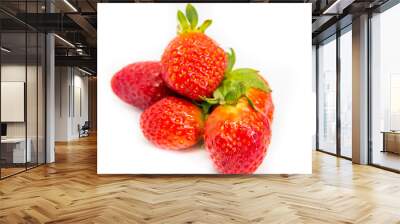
(205, 107)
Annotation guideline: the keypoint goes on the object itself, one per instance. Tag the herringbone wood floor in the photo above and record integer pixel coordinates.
(69, 191)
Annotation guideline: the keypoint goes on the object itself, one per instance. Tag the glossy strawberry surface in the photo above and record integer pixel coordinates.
(172, 123)
(237, 137)
(262, 101)
(193, 65)
(140, 84)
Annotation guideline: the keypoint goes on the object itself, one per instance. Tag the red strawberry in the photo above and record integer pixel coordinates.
(237, 137)
(193, 64)
(238, 131)
(244, 82)
(262, 101)
(140, 84)
(172, 123)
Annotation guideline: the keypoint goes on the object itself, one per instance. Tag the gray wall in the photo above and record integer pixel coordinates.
(71, 102)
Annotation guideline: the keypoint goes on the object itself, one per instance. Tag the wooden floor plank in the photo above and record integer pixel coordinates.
(70, 191)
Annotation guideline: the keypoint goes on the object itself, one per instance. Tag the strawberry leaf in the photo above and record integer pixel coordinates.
(243, 72)
(231, 60)
(218, 94)
(211, 100)
(236, 91)
(249, 77)
(252, 104)
(184, 25)
(205, 25)
(192, 16)
(188, 23)
(226, 86)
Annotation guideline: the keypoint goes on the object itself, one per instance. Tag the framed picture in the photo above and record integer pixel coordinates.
(208, 58)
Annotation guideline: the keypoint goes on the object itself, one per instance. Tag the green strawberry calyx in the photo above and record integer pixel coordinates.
(188, 23)
(235, 85)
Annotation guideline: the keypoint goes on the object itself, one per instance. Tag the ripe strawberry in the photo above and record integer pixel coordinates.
(193, 64)
(172, 123)
(140, 84)
(238, 132)
(243, 82)
(262, 101)
(237, 137)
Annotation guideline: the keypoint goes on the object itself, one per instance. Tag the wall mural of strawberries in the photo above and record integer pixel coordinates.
(195, 100)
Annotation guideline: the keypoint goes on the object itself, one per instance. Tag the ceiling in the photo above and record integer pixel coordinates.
(76, 21)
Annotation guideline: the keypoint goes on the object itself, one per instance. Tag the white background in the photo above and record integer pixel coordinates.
(273, 38)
